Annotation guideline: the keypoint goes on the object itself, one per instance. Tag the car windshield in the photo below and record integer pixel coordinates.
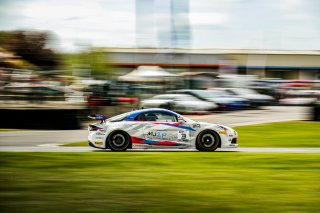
(210, 93)
(163, 97)
(244, 91)
(186, 98)
(180, 97)
(120, 117)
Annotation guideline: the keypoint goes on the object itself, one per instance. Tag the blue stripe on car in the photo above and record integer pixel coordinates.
(182, 127)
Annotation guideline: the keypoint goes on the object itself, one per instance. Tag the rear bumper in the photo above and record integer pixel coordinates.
(92, 145)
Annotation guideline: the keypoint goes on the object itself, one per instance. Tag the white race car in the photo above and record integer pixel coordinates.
(158, 128)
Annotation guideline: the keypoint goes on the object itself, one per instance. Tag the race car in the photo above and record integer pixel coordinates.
(158, 128)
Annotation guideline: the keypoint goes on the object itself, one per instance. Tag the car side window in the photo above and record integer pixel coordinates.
(231, 92)
(165, 117)
(141, 117)
(156, 116)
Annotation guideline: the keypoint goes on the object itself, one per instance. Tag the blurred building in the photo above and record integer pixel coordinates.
(303, 65)
(145, 28)
(162, 24)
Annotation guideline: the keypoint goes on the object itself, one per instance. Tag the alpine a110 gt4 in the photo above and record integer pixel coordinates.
(158, 128)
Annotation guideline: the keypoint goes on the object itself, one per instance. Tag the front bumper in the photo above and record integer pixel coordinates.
(230, 144)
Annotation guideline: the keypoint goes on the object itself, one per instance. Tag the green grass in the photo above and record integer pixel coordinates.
(280, 134)
(159, 182)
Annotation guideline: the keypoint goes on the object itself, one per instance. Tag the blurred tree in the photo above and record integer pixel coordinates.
(88, 64)
(32, 46)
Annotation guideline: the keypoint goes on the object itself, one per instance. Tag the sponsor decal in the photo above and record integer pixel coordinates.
(98, 142)
(196, 125)
(142, 146)
(158, 134)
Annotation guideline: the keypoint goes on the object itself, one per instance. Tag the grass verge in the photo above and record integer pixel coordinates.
(280, 134)
(159, 182)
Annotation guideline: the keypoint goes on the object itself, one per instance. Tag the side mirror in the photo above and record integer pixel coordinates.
(181, 120)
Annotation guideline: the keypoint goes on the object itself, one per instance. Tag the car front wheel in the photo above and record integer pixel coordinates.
(207, 141)
(119, 141)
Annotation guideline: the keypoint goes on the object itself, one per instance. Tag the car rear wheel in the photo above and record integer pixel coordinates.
(207, 141)
(119, 141)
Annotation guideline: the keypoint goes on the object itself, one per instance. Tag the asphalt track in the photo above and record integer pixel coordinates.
(49, 141)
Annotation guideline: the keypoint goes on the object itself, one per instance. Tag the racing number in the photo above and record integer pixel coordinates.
(183, 135)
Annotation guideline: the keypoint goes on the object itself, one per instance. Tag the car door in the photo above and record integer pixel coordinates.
(162, 129)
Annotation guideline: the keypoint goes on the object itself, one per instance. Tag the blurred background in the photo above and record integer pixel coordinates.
(62, 60)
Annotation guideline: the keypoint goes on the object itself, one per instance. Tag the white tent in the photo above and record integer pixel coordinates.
(148, 74)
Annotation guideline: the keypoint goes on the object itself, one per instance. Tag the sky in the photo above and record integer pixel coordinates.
(213, 24)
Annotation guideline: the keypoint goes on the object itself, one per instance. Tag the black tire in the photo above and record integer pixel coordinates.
(182, 110)
(207, 141)
(164, 106)
(168, 105)
(118, 141)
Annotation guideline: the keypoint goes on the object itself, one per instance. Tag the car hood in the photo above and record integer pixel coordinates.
(215, 127)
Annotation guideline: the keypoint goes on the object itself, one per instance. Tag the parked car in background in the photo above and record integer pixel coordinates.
(300, 97)
(256, 99)
(224, 100)
(271, 87)
(40, 92)
(109, 93)
(179, 102)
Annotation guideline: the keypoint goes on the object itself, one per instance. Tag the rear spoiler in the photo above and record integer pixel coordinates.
(102, 118)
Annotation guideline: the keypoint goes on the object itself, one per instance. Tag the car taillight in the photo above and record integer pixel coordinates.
(128, 99)
(94, 128)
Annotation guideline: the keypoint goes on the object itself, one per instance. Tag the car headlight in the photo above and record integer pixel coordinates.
(222, 131)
